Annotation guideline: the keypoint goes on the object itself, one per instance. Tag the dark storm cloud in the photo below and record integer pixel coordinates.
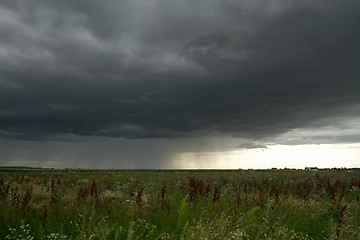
(171, 69)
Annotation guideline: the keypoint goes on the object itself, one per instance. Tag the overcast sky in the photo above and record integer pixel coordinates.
(138, 83)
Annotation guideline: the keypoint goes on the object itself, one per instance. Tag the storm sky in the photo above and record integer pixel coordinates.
(151, 83)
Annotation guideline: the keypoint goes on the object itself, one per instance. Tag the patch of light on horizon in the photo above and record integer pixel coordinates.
(277, 156)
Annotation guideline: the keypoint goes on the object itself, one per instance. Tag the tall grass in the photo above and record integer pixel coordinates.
(179, 205)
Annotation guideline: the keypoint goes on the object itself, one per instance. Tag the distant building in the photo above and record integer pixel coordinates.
(311, 168)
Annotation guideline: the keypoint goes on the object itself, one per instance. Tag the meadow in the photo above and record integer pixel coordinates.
(179, 204)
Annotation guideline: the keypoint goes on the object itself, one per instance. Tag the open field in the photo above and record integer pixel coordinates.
(73, 204)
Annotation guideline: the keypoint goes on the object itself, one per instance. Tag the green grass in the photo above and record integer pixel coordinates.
(176, 204)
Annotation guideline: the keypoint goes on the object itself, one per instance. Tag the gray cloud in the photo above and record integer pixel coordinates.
(251, 145)
(170, 69)
(103, 152)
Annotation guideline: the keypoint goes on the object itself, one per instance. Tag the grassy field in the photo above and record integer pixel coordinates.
(71, 204)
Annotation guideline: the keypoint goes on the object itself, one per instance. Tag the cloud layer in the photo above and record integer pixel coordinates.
(177, 69)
